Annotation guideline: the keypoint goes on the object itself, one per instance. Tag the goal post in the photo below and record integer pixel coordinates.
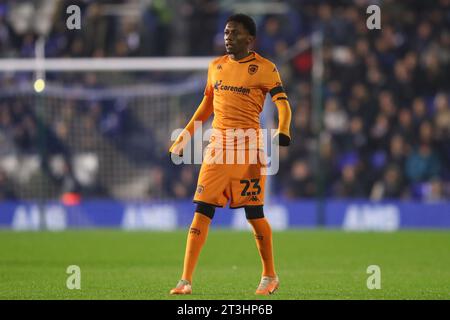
(106, 64)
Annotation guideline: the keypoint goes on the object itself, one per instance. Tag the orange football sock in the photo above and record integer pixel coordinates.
(195, 240)
(263, 236)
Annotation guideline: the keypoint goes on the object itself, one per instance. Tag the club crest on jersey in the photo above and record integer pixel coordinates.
(252, 69)
(200, 188)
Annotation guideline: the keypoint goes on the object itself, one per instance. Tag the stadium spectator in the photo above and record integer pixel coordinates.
(301, 182)
(349, 185)
(158, 184)
(202, 19)
(405, 125)
(185, 185)
(271, 37)
(6, 190)
(398, 151)
(386, 93)
(423, 164)
(435, 191)
(391, 186)
(442, 117)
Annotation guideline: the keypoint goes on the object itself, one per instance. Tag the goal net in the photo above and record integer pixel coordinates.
(100, 128)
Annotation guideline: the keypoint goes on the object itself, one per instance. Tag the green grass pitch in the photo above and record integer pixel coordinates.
(146, 265)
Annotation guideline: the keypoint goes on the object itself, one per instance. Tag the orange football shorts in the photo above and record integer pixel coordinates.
(238, 181)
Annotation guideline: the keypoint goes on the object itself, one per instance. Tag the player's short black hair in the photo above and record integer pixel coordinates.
(246, 21)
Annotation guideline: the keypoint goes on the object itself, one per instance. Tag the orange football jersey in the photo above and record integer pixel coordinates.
(239, 89)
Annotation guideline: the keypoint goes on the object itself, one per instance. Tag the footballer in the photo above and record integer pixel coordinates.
(235, 91)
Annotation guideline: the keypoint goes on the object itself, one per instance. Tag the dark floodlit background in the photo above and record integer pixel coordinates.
(375, 127)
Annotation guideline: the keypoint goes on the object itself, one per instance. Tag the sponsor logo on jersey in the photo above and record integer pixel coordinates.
(218, 85)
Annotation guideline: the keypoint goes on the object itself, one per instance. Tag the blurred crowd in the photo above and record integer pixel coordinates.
(383, 130)
(386, 116)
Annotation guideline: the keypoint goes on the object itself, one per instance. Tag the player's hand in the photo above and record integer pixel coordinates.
(176, 149)
(178, 146)
(281, 139)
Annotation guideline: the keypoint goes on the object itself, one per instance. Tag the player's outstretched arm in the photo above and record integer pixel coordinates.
(284, 122)
(204, 111)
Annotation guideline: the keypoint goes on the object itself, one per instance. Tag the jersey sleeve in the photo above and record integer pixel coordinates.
(209, 89)
(272, 83)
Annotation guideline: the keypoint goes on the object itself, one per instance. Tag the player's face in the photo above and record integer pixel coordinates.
(237, 39)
